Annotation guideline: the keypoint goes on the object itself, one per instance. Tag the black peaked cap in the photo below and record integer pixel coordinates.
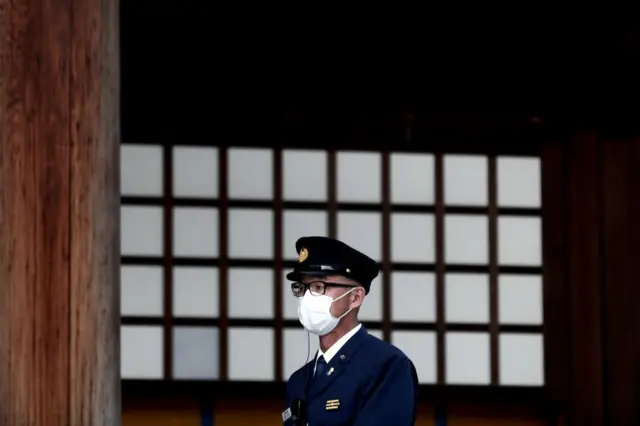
(322, 256)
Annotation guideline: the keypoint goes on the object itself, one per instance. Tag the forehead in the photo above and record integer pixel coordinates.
(327, 278)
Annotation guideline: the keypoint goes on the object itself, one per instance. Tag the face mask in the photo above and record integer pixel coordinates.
(314, 313)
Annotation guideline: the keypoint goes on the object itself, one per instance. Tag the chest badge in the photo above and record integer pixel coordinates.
(332, 404)
(330, 371)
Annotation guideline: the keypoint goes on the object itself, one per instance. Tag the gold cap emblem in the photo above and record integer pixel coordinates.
(304, 253)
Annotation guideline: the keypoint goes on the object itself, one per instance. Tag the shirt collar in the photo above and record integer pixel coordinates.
(335, 348)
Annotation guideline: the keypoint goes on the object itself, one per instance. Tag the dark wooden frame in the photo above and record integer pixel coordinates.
(589, 249)
(490, 140)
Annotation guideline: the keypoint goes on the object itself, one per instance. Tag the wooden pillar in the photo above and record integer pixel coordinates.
(59, 213)
(597, 337)
(584, 274)
(621, 280)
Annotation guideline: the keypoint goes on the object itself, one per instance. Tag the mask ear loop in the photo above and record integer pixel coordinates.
(343, 295)
(340, 297)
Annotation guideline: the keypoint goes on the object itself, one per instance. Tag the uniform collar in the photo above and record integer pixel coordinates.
(335, 348)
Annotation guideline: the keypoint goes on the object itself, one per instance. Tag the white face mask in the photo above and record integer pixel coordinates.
(314, 313)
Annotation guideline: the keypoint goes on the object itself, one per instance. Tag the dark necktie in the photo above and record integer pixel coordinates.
(321, 367)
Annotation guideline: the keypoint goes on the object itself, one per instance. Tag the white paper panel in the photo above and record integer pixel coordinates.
(299, 348)
(371, 309)
(195, 292)
(251, 293)
(466, 239)
(519, 241)
(251, 354)
(250, 172)
(520, 299)
(251, 233)
(413, 296)
(196, 353)
(521, 359)
(195, 172)
(301, 223)
(465, 180)
(304, 175)
(468, 359)
(420, 347)
(362, 231)
(376, 333)
(141, 291)
(195, 232)
(412, 178)
(141, 353)
(141, 231)
(467, 298)
(359, 177)
(141, 170)
(412, 237)
(289, 301)
(519, 182)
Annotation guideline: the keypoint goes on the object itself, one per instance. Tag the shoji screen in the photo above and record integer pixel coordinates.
(208, 234)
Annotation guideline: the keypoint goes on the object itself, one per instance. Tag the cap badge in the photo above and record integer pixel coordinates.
(304, 253)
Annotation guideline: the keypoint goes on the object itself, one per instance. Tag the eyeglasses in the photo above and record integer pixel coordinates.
(316, 288)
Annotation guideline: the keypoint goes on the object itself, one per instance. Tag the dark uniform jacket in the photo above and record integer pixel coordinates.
(369, 383)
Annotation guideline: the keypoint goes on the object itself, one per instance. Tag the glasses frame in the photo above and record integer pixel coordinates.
(327, 284)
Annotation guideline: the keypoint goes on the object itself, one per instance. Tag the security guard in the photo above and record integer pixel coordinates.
(355, 378)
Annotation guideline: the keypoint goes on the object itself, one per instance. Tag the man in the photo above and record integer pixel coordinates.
(355, 378)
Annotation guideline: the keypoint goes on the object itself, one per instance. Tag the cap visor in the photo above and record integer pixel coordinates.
(295, 275)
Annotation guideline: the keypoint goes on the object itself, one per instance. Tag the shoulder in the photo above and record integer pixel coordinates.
(382, 353)
(299, 376)
(300, 372)
(384, 349)
(385, 361)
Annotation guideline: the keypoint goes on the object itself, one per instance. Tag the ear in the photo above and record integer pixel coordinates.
(357, 297)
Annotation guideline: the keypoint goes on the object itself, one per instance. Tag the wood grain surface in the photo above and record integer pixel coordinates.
(59, 213)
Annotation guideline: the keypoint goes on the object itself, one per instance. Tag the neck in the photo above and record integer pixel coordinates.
(343, 328)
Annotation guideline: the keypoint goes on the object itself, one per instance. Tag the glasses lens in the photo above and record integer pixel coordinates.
(297, 289)
(316, 288)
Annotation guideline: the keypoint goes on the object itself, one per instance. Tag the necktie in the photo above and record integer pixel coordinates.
(321, 367)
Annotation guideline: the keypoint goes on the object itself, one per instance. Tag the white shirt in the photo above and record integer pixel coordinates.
(333, 350)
